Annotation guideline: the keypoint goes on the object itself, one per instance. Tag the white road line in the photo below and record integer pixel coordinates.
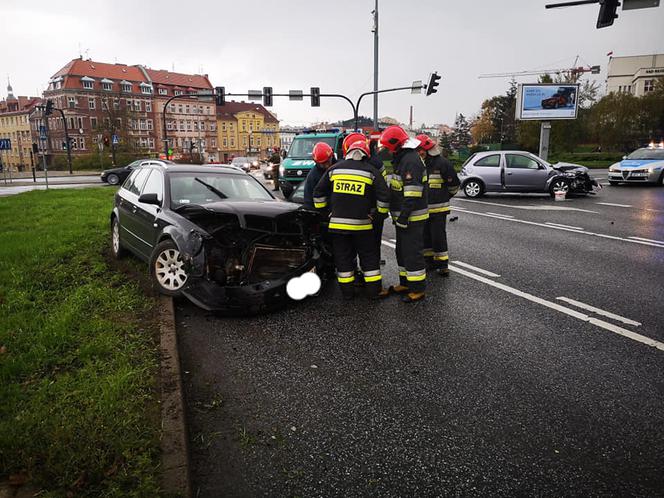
(393, 240)
(614, 205)
(479, 270)
(647, 240)
(563, 309)
(546, 207)
(599, 311)
(564, 226)
(553, 227)
(498, 214)
(389, 244)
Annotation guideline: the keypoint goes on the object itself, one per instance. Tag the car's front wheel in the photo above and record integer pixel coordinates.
(113, 179)
(116, 245)
(559, 185)
(167, 268)
(473, 188)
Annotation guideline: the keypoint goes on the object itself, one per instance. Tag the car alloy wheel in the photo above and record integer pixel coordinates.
(169, 270)
(560, 186)
(472, 189)
(113, 179)
(116, 244)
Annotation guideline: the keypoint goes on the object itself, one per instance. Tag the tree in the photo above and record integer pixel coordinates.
(445, 144)
(461, 135)
(482, 129)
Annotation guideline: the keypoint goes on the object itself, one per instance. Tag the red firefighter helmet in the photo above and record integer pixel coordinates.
(360, 144)
(322, 153)
(393, 138)
(425, 141)
(351, 138)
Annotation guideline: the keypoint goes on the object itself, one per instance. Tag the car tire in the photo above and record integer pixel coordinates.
(614, 184)
(559, 184)
(473, 189)
(117, 249)
(167, 269)
(660, 182)
(113, 179)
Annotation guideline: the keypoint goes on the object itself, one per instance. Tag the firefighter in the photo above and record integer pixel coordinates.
(382, 208)
(443, 184)
(275, 161)
(409, 211)
(323, 156)
(351, 189)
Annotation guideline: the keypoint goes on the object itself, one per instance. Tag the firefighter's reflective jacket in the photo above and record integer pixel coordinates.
(408, 188)
(443, 183)
(354, 192)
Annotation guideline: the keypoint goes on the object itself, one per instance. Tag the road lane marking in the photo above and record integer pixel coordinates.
(553, 227)
(647, 240)
(498, 214)
(389, 244)
(615, 205)
(528, 208)
(560, 225)
(599, 311)
(479, 270)
(563, 309)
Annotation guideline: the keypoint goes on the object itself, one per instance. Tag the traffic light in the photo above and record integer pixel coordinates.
(433, 83)
(315, 96)
(267, 96)
(220, 95)
(48, 110)
(607, 13)
(64, 145)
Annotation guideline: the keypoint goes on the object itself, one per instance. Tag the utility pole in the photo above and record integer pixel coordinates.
(375, 87)
(45, 147)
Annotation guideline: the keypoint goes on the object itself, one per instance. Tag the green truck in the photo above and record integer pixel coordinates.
(297, 163)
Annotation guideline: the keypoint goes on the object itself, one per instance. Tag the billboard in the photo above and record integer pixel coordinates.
(546, 101)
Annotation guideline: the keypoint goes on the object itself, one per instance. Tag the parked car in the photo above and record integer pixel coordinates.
(519, 171)
(644, 165)
(116, 176)
(246, 163)
(214, 235)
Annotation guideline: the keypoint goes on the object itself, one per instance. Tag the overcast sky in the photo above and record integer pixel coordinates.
(296, 44)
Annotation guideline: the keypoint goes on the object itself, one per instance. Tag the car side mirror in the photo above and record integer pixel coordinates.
(624, 157)
(150, 199)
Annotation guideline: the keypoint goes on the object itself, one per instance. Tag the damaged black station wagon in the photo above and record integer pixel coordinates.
(214, 234)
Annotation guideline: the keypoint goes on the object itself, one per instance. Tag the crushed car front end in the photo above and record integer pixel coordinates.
(239, 257)
(578, 177)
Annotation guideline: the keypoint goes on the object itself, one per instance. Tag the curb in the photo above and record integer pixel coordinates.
(175, 477)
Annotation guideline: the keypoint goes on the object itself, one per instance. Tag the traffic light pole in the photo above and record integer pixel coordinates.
(163, 114)
(356, 107)
(64, 121)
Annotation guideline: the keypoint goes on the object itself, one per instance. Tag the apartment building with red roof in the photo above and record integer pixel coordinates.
(15, 125)
(246, 129)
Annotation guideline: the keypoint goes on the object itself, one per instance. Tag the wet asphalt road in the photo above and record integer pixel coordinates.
(495, 385)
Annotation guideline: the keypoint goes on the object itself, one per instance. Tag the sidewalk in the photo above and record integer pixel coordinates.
(24, 178)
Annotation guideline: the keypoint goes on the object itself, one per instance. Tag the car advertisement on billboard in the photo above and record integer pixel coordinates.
(545, 101)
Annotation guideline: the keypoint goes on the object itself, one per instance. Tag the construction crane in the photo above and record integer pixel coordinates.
(570, 73)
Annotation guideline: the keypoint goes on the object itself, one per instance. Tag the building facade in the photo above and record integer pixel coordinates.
(116, 105)
(634, 74)
(246, 129)
(15, 125)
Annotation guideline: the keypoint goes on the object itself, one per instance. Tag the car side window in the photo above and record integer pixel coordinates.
(154, 184)
(518, 161)
(130, 180)
(492, 161)
(139, 180)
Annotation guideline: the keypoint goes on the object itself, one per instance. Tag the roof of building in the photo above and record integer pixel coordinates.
(99, 70)
(24, 104)
(163, 77)
(232, 107)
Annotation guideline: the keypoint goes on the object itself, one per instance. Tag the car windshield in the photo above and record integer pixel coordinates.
(301, 148)
(201, 188)
(647, 154)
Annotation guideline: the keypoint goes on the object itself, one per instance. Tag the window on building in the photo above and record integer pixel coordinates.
(163, 91)
(232, 142)
(87, 84)
(648, 86)
(137, 105)
(143, 125)
(129, 104)
(72, 102)
(79, 121)
(104, 103)
(146, 89)
(188, 125)
(91, 103)
(116, 103)
(177, 92)
(180, 108)
(213, 142)
(225, 143)
(93, 123)
(107, 86)
(149, 123)
(126, 87)
(81, 141)
(148, 106)
(186, 109)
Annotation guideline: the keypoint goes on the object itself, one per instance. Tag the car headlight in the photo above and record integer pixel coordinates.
(614, 167)
(282, 171)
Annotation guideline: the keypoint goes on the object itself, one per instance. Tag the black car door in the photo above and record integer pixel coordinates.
(128, 207)
(147, 223)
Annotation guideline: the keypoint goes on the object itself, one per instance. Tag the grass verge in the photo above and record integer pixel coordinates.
(78, 352)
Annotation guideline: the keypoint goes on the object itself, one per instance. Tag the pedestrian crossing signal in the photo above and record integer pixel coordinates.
(433, 83)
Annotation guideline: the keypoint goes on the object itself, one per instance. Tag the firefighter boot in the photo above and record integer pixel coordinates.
(398, 289)
(411, 297)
